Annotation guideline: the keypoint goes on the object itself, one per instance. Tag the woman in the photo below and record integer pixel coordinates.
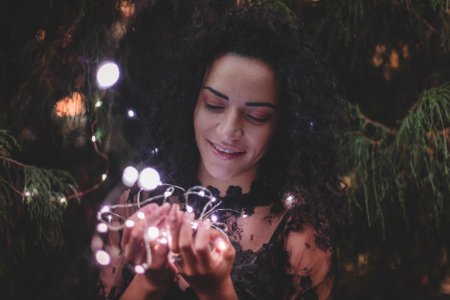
(259, 121)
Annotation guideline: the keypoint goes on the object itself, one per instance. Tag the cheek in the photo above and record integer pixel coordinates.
(262, 141)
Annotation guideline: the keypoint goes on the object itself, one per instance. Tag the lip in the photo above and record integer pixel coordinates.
(216, 150)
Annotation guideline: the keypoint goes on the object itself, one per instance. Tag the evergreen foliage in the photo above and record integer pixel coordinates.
(32, 200)
(392, 57)
(392, 169)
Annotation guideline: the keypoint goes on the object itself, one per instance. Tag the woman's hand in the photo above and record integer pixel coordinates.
(206, 261)
(159, 271)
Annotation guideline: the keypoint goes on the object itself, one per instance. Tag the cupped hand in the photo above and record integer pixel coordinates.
(207, 257)
(136, 243)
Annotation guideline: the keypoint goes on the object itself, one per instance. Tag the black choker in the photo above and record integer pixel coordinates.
(259, 195)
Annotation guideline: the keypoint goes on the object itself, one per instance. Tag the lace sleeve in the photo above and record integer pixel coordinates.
(114, 278)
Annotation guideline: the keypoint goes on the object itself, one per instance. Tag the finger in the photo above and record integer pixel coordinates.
(157, 215)
(222, 247)
(131, 222)
(174, 222)
(202, 243)
(159, 255)
(135, 245)
(185, 240)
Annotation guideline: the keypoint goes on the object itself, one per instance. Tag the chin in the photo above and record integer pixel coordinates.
(221, 175)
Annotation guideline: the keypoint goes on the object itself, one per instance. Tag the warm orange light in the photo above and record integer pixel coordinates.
(70, 106)
(394, 59)
(126, 8)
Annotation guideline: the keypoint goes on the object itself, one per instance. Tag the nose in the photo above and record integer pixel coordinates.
(230, 125)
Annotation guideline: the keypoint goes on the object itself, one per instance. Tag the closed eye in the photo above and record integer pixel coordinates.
(213, 107)
(258, 120)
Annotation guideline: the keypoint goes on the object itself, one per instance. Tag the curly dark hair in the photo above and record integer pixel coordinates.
(302, 158)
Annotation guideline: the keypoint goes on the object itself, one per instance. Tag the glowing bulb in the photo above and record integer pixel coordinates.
(105, 209)
(163, 240)
(102, 257)
(214, 218)
(289, 201)
(104, 176)
(189, 209)
(98, 104)
(153, 233)
(149, 179)
(244, 216)
(129, 223)
(93, 139)
(130, 176)
(201, 193)
(213, 199)
(63, 200)
(220, 244)
(102, 228)
(139, 269)
(194, 225)
(141, 215)
(131, 113)
(107, 74)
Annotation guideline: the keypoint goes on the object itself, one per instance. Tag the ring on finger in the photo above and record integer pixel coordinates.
(176, 258)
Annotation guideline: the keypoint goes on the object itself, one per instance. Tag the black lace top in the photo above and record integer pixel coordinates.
(295, 263)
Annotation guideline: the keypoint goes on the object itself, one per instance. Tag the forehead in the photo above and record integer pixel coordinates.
(240, 76)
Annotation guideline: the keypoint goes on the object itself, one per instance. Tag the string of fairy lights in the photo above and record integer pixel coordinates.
(113, 218)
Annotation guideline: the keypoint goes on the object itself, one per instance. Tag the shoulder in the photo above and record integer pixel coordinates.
(308, 256)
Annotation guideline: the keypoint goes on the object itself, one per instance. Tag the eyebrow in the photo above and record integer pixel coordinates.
(215, 92)
(225, 97)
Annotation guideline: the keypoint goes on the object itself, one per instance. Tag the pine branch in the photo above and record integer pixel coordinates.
(403, 168)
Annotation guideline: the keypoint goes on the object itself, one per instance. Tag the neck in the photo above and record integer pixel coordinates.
(242, 180)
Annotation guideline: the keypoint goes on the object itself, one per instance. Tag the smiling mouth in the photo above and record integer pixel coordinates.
(225, 152)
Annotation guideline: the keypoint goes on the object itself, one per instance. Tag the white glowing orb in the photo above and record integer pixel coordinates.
(105, 209)
(139, 269)
(129, 176)
(102, 228)
(194, 225)
(220, 244)
(153, 233)
(141, 215)
(107, 74)
(104, 176)
(149, 179)
(129, 223)
(189, 209)
(214, 218)
(93, 139)
(98, 104)
(102, 257)
(213, 199)
(131, 113)
(201, 194)
(163, 240)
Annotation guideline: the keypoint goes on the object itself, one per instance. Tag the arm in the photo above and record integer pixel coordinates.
(308, 260)
(142, 288)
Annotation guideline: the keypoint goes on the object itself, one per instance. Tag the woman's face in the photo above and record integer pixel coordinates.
(235, 118)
